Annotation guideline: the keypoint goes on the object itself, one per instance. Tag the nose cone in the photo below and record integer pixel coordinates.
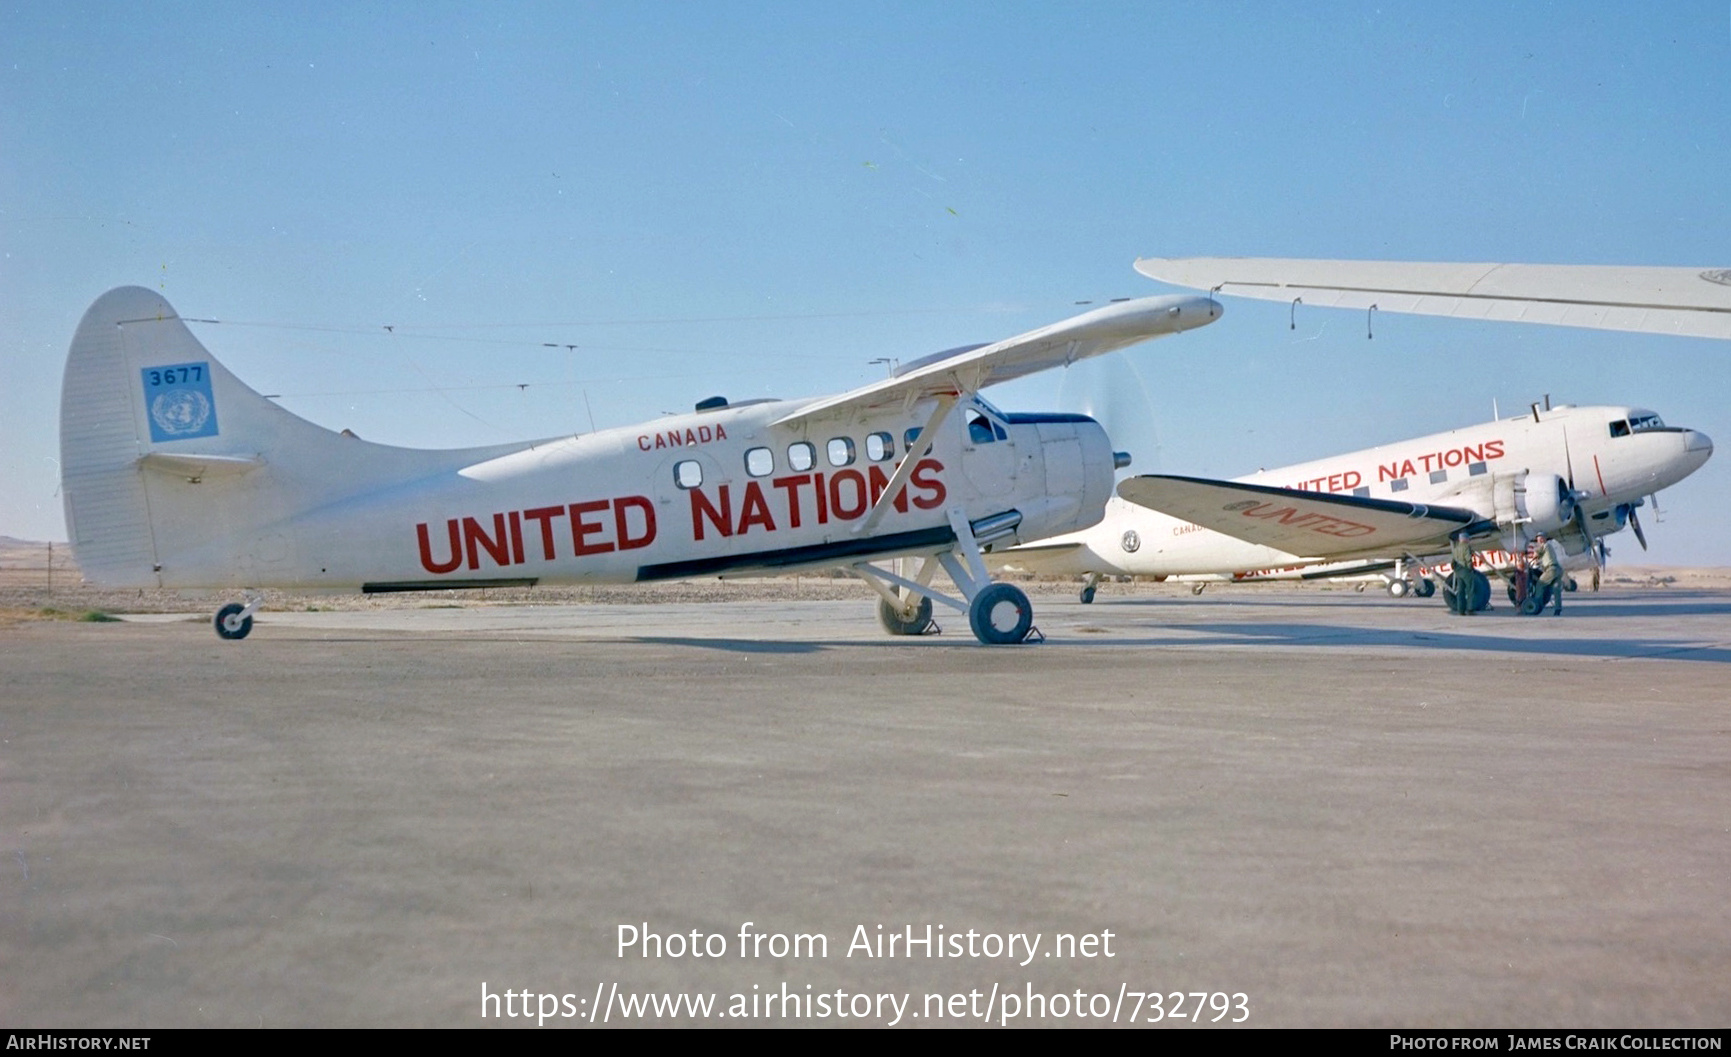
(1692, 449)
(1697, 447)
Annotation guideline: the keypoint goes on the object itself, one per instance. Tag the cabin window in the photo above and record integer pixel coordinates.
(687, 473)
(1397, 485)
(1619, 428)
(1362, 492)
(840, 451)
(759, 462)
(910, 437)
(1438, 476)
(979, 428)
(880, 446)
(801, 457)
(1477, 469)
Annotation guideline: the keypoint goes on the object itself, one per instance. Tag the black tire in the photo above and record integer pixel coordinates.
(891, 618)
(1087, 595)
(1424, 588)
(1513, 601)
(1481, 596)
(229, 628)
(1000, 615)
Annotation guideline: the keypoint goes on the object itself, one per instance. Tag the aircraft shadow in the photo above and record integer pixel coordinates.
(734, 645)
(1241, 633)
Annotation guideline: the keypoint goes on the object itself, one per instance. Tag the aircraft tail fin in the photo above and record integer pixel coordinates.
(174, 473)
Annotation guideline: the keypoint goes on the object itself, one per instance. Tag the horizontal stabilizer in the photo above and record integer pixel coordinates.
(199, 467)
(1306, 524)
(1691, 302)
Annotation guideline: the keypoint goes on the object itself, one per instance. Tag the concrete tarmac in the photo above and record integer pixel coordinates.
(1324, 808)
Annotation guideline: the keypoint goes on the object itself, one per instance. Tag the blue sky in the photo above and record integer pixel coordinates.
(761, 199)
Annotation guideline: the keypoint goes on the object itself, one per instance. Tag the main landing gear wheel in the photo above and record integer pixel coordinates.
(1538, 597)
(891, 618)
(1480, 597)
(1000, 615)
(1424, 588)
(229, 622)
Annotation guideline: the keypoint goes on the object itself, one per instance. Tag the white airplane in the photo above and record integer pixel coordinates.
(1574, 473)
(1692, 302)
(176, 475)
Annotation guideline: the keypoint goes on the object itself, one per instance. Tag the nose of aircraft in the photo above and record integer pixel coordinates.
(1697, 446)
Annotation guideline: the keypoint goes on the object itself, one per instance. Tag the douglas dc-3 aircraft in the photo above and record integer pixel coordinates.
(1692, 302)
(175, 474)
(1574, 473)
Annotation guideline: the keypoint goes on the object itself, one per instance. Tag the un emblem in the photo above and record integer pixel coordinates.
(180, 412)
(1131, 541)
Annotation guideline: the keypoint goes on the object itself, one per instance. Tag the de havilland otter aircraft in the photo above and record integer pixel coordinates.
(175, 474)
(1574, 473)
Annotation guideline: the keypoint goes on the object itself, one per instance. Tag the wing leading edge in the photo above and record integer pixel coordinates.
(1691, 302)
(970, 369)
(1311, 525)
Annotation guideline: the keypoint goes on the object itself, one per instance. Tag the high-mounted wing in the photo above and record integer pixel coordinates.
(1305, 524)
(970, 369)
(1692, 302)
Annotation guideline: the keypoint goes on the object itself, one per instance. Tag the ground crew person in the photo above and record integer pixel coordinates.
(1461, 573)
(1551, 569)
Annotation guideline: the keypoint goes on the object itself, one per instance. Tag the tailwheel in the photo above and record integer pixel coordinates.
(233, 621)
(920, 622)
(1000, 615)
(1088, 594)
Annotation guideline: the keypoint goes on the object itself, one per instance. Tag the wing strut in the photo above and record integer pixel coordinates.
(922, 445)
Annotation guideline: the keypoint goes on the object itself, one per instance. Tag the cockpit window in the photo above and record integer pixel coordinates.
(1639, 422)
(982, 429)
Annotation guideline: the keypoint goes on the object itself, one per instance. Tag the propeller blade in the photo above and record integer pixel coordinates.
(1635, 523)
(1593, 544)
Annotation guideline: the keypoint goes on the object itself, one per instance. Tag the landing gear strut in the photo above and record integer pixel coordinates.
(998, 613)
(1092, 581)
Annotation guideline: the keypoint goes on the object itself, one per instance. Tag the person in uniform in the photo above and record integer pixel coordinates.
(1550, 554)
(1461, 573)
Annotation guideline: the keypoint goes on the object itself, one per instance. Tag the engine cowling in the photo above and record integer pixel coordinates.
(1550, 503)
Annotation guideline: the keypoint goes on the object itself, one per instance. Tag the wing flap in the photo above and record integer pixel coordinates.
(970, 369)
(1691, 302)
(1311, 525)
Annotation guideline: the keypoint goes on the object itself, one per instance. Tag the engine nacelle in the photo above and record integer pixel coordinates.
(1550, 504)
